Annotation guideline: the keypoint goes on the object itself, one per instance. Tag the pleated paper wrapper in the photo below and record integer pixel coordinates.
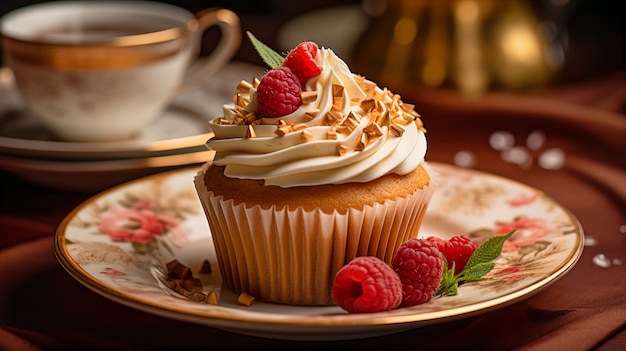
(291, 256)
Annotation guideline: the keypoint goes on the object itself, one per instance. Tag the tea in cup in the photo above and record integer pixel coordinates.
(104, 70)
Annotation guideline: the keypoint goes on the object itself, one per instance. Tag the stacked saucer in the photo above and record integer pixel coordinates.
(177, 138)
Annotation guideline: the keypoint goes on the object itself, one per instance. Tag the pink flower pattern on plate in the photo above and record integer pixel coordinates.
(528, 231)
(147, 218)
(131, 225)
(523, 200)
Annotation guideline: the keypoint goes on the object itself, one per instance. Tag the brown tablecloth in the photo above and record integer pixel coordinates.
(42, 307)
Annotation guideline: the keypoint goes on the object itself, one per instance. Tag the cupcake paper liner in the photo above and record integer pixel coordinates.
(292, 256)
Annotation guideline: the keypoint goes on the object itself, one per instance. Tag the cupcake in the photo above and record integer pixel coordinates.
(314, 165)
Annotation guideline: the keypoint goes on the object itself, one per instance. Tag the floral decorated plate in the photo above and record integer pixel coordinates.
(117, 244)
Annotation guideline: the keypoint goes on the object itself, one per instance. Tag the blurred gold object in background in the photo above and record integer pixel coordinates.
(469, 45)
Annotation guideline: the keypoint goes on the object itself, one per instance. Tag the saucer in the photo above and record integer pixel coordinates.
(175, 139)
(181, 128)
(90, 176)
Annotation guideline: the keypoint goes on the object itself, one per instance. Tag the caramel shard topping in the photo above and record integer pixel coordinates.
(181, 290)
(200, 296)
(241, 115)
(374, 115)
(351, 119)
(331, 135)
(173, 283)
(384, 119)
(368, 105)
(408, 108)
(244, 86)
(393, 113)
(396, 130)
(401, 120)
(362, 142)
(338, 90)
(193, 285)
(380, 106)
(298, 127)
(255, 82)
(241, 101)
(282, 131)
(251, 118)
(349, 123)
(306, 136)
(332, 117)
(373, 130)
(354, 118)
(245, 299)
(344, 129)
(395, 98)
(337, 104)
(177, 270)
(205, 267)
(380, 95)
(212, 298)
(420, 125)
(342, 149)
(222, 120)
(239, 110)
(308, 97)
(282, 128)
(338, 97)
(309, 115)
(407, 118)
(190, 286)
(250, 133)
(369, 86)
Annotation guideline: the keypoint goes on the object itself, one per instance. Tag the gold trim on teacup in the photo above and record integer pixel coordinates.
(121, 52)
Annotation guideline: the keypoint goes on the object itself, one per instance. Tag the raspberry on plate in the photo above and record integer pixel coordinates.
(278, 93)
(419, 265)
(457, 250)
(367, 284)
(301, 60)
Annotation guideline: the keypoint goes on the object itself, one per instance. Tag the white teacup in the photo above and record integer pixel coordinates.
(102, 71)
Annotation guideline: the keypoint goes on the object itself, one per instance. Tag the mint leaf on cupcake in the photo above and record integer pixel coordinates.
(268, 55)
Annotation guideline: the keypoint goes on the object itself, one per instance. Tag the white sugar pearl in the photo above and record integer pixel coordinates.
(601, 260)
(535, 140)
(465, 158)
(501, 140)
(552, 159)
(517, 155)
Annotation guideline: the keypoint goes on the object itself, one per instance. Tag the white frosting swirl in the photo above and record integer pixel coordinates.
(288, 161)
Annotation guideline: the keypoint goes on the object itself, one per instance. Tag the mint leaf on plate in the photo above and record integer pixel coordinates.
(478, 265)
(481, 261)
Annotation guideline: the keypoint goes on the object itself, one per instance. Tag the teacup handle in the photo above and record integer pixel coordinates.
(230, 40)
